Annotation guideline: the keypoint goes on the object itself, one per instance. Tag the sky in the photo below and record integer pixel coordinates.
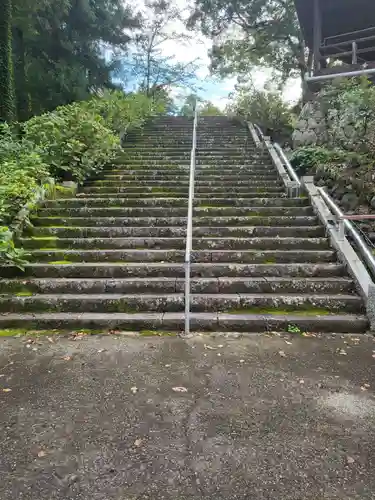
(212, 88)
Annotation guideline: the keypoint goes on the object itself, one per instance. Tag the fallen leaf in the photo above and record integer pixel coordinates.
(134, 389)
(41, 454)
(282, 354)
(350, 460)
(209, 347)
(220, 346)
(218, 354)
(138, 442)
(101, 350)
(50, 339)
(287, 342)
(113, 332)
(301, 381)
(373, 355)
(179, 389)
(342, 352)
(167, 366)
(7, 390)
(367, 386)
(67, 358)
(363, 388)
(242, 361)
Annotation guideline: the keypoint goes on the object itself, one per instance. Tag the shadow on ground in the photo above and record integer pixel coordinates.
(100, 418)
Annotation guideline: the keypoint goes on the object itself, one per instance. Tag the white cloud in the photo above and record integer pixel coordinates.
(196, 49)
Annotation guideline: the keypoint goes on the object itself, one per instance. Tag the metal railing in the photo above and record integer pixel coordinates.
(291, 181)
(345, 225)
(342, 221)
(189, 227)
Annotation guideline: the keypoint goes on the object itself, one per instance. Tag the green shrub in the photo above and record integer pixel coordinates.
(22, 170)
(122, 112)
(9, 254)
(266, 108)
(312, 159)
(73, 141)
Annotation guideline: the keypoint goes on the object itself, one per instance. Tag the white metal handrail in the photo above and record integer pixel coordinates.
(345, 223)
(291, 180)
(189, 228)
(286, 163)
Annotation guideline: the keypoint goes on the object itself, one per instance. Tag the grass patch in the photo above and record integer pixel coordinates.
(60, 262)
(24, 294)
(269, 260)
(49, 238)
(156, 333)
(281, 312)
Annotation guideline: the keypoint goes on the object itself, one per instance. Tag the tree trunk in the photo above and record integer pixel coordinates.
(22, 91)
(7, 104)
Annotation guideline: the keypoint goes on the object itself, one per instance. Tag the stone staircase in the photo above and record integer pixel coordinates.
(112, 257)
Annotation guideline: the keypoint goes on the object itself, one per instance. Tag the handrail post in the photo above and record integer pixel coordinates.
(189, 228)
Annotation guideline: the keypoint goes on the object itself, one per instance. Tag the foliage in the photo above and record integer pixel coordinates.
(121, 112)
(313, 159)
(206, 108)
(265, 108)
(209, 109)
(6, 62)
(152, 70)
(188, 107)
(61, 49)
(22, 169)
(9, 254)
(70, 143)
(349, 106)
(73, 141)
(253, 33)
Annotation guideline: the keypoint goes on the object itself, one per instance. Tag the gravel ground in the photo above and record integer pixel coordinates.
(125, 418)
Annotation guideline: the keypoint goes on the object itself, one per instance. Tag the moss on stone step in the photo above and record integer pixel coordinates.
(275, 311)
(58, 262)
(156, 333)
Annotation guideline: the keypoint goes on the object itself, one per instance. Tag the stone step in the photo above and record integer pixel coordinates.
(151, 255)
(135, 149)
(250, 323)
(254, 220)
(178, 231)
(202, 170)
(99, 191)
(84, 270)
(225, 285)
(238, 303)
(244, 153)
(199, 183)
(155, 176)
(183, 192)
(209, 161)
(174, 211)
(220, 243)
(176, 202)
(178, 179)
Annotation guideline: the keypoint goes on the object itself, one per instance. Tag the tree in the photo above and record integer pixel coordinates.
(263, 107)
(147, 66)
(209, 109)
(253, 33)
(7, 108)
(188, 108)
(62, 48)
